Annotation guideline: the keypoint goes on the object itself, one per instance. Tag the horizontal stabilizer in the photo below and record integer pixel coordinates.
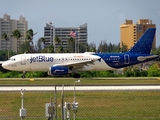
(143, 58)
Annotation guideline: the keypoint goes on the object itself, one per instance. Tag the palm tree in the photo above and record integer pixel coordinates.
(42, 39)
(6, 37)
(57, 39)
(51, 49)
(17, 34)
(29, 36)
(60, 49)
(71, 41)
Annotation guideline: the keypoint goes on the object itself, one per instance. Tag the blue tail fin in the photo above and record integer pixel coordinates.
(144, 44)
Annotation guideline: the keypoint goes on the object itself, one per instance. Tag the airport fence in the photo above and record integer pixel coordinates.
(92, 105)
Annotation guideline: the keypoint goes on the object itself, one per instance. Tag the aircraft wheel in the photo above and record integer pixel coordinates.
(23, 76)
(76, 75)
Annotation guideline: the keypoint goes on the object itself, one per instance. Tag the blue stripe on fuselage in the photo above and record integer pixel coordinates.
(120, 60)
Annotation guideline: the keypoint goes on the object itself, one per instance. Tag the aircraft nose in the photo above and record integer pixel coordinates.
(5, 65)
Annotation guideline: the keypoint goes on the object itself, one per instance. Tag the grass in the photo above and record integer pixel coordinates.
(84, 81)
(111, 105)
(92, 105)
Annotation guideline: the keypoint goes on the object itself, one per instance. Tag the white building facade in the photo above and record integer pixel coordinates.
(8, 25)
(63, 33)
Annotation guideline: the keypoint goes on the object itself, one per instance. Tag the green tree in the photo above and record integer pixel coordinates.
(92, 47)
(40, 41)
(82, 48)
(29, 35)
(17, 35)
(45, 50)
(24, 47)
(153, 71)
(29, 38)
(43, 40)
(123, 47)
(51, 49)
(103, 46)
(60, 49)
(57, 40)
(39, 46)
(156, 51)
(6, 37)
(71, 46)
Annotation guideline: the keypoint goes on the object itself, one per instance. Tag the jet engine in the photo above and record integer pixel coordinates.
(58, 70)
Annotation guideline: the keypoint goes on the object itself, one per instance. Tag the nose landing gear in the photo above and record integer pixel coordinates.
(23, 75)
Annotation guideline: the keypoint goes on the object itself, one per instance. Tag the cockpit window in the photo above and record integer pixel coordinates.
(12, 59)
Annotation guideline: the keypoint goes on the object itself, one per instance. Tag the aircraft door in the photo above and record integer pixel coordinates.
(126, 59)
(23, 60)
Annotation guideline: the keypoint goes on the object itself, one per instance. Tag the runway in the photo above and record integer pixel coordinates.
(81, 88)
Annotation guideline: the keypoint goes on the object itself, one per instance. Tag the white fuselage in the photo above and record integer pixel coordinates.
(42, 62)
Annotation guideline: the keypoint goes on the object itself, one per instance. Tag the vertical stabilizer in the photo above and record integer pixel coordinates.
(144, 44)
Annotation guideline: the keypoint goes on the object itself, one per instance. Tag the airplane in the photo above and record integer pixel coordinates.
(58, 64)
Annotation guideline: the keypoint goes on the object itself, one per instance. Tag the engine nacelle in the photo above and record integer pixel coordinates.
(58, 70)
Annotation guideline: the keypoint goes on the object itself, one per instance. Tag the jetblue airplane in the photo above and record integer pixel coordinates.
(65, 63)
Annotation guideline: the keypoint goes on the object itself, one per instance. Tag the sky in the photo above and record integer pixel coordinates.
(103, 17)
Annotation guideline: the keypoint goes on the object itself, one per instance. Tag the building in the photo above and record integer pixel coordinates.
(48, 34)
(63, 33)
(130, 33)
(8, 25)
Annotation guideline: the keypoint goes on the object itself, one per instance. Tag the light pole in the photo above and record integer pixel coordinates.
(86, 47)
(76, 42)
(75, 45)
(75, 104)
(78, 45)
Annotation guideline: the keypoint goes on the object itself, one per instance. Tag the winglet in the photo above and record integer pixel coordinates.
(144, 44)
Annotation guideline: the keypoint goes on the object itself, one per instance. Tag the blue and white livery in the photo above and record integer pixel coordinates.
(65, 63)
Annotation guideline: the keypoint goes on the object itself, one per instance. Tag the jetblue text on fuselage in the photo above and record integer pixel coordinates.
(41, 59)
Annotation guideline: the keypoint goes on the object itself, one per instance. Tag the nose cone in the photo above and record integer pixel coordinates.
(5, 65)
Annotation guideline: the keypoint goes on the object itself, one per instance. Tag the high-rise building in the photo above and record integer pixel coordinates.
(63, 33)
(8, 25)
(130, 33)
(48, 34)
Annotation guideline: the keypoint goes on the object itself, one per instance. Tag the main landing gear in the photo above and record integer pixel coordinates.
(76, 75)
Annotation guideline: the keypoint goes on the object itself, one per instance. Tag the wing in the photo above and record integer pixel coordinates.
(78, 64)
